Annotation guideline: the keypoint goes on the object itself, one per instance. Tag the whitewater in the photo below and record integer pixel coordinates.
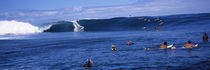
(17, 27)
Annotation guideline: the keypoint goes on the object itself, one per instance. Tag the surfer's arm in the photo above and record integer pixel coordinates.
(185, 45)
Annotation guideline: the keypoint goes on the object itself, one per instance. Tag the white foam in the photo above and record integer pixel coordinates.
(89, 18)
(15, 27)
(46, 27)
(77, 27)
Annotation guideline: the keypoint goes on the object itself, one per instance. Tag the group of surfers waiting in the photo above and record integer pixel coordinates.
(89, 62)
(188, 45)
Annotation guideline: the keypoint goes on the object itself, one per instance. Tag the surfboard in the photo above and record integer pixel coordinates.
(191, 47)
(113, 49)
(186, 48)
(196, 45)
(169, 46)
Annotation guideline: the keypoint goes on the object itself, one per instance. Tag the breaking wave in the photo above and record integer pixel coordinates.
(149, 23)
(15, 27)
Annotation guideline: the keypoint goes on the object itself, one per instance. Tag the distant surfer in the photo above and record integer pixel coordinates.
(88, 63)
(161, 23)
(113, 48)
(189, 45)
(156, 29)
(130, 43)
(147, 49)
(130, 15)
(164, 45)
(143, 28)
(145, 19)
(205, 37)
(148, 20)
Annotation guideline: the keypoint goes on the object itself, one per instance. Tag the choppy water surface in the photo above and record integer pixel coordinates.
(69, 50)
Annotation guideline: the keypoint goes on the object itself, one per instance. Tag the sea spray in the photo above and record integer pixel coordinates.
(77, 27)
(15, 27)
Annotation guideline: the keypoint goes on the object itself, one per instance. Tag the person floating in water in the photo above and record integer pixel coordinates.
(173, 48)
(147, 49)
(130, 43)
(205, 37)
(189, 45)
(88, 63)
(156, 29)
(113, 48)
(164, 45)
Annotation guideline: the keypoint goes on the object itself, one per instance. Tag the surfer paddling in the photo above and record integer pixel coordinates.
(130, 43)
(205, 37)
(189, 45)
(88, 63)
(164, 45)
(113, 48)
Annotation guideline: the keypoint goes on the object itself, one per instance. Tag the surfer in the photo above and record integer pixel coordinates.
(164, 45)
(113, 48)
(189, 45)
(147, 49)
(173, 48)
(130, 43)
(88, 63)
(156, 29)
(130, 15)
(205, 37)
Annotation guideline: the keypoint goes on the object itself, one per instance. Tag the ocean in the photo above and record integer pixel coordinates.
(66, 45)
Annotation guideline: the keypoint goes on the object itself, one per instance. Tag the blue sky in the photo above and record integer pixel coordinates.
(7, 5)
(37, 11)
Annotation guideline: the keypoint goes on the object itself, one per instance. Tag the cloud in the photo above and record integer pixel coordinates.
(77, 9)
(49, 13)
(140, 8)
(151, 8)
(21, 14)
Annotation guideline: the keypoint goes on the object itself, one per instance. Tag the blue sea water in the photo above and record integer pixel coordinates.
(59, 48)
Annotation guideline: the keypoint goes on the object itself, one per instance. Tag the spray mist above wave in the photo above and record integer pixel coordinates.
(15, 27)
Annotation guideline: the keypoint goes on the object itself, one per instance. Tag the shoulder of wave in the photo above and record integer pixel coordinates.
(107, 18)
(90, 18)
(190, 14)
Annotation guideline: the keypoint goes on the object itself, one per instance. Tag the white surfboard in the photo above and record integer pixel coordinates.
(183, 47)
(196, 45)
(191, 47)
(169, 46)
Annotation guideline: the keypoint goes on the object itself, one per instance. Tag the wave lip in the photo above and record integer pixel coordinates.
(15, 27)
(77, 27)
(64, 26)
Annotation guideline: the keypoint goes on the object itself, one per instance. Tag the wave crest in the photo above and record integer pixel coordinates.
(15, 27)
(65, 26)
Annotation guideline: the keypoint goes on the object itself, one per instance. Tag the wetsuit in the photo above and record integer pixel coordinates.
(205, 38)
